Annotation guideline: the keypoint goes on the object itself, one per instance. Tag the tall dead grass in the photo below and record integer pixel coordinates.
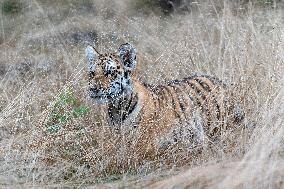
(42, 57)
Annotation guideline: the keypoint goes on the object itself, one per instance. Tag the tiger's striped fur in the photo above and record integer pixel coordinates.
(195, 108)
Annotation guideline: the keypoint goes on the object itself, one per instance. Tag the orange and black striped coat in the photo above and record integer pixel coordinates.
(196, 108)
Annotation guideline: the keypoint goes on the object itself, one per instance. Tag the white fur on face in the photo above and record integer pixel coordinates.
(110, 66)
(121, 86)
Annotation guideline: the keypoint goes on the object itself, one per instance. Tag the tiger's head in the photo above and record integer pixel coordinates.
(110, 74)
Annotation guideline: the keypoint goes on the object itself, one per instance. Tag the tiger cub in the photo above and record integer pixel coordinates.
(195, 109)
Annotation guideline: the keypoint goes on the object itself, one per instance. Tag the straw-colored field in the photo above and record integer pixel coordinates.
(53, 135)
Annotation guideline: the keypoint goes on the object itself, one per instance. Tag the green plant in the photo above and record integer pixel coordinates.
(66, 108)
(11, 6)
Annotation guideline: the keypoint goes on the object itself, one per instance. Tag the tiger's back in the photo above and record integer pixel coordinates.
(199, 103)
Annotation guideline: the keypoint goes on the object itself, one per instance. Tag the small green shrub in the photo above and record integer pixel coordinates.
(11, 6)
(66, 108)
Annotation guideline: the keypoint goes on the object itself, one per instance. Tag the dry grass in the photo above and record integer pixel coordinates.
(42, 57)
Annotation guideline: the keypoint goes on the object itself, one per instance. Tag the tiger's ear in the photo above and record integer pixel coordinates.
(91, 56)
(127, 54)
